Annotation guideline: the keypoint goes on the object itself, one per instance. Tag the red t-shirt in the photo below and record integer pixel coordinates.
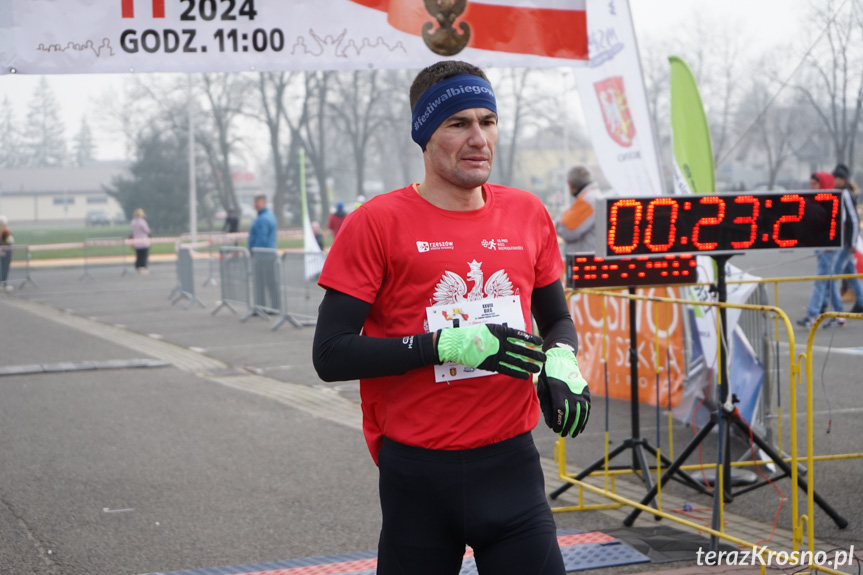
(394, 252)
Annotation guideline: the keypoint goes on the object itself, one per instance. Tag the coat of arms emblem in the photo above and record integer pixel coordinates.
(615, 110)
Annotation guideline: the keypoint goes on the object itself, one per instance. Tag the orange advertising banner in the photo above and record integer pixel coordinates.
(608, 322)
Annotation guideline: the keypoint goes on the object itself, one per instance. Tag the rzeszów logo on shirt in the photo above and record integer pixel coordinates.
(500, 244)
(423, 247)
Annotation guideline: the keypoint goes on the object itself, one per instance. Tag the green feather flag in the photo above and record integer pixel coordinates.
(693, 150)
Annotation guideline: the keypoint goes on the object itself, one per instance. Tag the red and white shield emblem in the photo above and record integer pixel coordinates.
(615, 110)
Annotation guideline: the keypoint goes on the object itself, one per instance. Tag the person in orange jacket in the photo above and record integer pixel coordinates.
(576, 225)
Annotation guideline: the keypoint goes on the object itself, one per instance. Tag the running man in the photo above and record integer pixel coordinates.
(430, 290)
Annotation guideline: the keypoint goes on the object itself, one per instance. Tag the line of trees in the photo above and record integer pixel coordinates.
(40, 140)
(800, 101)
(353, 126)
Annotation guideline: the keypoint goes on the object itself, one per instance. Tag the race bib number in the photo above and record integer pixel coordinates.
(502, 310)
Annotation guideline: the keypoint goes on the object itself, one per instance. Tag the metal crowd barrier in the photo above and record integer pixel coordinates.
(15, 262)
(267, 284)
(755, 324)
(186, 278)
(234, 274)
(207, 245)
(101, 246)
(302, 295)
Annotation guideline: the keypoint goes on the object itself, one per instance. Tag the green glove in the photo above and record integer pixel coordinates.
(563, 393)
(491, 347)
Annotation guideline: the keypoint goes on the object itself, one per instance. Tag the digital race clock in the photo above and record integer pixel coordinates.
(719, 224)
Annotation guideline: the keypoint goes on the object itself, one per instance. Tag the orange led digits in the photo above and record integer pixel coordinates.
(647, 226)
(672, 230)
(636, 230)
(788, 198)
(833, 211)
(752, 220)
(708, 221)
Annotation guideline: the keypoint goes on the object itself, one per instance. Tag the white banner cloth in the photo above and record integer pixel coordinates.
(615, 103)
(100, 36)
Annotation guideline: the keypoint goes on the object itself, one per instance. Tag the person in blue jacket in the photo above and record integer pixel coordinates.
(263, 235)
(263, 231)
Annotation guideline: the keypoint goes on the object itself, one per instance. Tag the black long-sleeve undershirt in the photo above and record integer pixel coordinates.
(340, 353)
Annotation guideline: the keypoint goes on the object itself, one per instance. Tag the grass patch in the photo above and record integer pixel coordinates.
(43, 235)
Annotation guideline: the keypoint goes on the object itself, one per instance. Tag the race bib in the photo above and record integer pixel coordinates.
(502, 310)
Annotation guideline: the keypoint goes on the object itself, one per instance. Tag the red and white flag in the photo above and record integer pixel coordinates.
(551, 28)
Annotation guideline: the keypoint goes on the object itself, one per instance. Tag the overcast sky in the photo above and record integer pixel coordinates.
(763, 24)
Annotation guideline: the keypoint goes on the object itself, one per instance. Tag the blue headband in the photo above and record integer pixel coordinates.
(446, 98)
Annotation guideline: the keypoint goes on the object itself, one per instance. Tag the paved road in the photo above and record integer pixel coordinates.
(160, 469)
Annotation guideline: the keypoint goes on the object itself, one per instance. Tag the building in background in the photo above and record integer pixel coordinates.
(60, 195)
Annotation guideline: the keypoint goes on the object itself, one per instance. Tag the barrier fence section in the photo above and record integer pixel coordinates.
(206, 245)
(186, 278)
(234, 277)
(108, 250)
(267, 284)
(809, 519)
(15, 266)
(302, 294)
(755, 319)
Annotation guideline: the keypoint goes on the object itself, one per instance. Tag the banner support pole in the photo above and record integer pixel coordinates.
(193, 191)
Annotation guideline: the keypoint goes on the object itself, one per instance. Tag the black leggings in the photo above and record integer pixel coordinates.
(492, 498)
(141, 257)
(5, 262)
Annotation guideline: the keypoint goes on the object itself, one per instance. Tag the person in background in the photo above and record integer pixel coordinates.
(824, 266)
(316, 231)
(361, 199)
(337, 219)
(6, 241)
(232, 222)
(140, 241)
(263, 235)
(263, 231)
(576, 225)
(845, 262)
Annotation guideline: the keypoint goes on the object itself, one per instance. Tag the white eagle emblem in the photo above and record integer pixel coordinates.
(453, 289)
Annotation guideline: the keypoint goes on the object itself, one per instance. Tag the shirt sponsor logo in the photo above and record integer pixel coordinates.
(423, 247)
(496, 244)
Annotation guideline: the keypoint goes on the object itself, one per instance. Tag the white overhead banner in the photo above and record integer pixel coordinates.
(103, 36)
(615, 103)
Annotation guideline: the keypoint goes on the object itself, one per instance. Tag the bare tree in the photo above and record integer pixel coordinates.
(403, 158)
(778, 129)
(725, 89)
(309, 129)
(273, 88)
(225, 98)
(162, 104)
(357, 108)
(521, 106)
(834, 86)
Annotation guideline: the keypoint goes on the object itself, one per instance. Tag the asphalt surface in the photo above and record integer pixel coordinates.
(162, 469)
